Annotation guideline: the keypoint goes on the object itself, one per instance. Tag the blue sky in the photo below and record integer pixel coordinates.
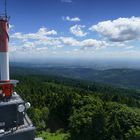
(41, 29)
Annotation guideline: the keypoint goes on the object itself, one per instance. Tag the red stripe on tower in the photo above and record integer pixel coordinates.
(3, 36)
(6, 85)
(4, 55)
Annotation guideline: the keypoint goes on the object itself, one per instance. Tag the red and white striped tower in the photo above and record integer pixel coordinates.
(4, 55)
(5, 84)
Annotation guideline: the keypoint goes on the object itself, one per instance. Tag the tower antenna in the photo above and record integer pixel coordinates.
(5, 8)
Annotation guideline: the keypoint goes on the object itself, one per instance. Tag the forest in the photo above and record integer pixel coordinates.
(130, 78)
(80, 110)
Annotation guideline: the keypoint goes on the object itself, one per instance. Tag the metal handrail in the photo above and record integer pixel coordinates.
(4, 17)
(12, 82)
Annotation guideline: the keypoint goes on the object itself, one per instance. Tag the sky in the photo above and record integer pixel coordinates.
(70, 29)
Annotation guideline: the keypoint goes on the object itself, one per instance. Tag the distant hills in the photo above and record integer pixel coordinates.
(126, 78)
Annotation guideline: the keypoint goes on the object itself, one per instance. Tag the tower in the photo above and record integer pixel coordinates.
(14, 122)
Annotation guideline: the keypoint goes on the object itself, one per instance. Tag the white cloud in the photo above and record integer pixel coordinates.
(29, 44)
(49, 41)
(66, 1)
(77, 30)
(40, 34)
(70, 41)
(129, 47)
(17, 35)
(33, 44)
(74, 19)
(119, 30)
(87, 43)
(93, 43)
(120, 45)
(44, 31)
(42, 43)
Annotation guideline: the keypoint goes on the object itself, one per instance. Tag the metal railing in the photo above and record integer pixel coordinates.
(4, 17)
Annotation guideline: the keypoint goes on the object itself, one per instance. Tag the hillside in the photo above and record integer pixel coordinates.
(127, 78)
(80, 110)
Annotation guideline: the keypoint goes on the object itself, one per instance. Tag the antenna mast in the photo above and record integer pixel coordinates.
(5, 8)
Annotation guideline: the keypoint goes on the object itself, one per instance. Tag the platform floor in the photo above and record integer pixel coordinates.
(38, 139)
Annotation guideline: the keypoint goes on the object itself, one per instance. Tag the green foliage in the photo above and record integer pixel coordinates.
(88, 120)
(39, 117)
(86, 111)
(53, 136)
(120, 119)
(133, 134)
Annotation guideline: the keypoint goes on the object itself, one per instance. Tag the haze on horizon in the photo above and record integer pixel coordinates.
(74, 29)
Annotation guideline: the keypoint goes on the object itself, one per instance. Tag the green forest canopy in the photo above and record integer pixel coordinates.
(85, 111)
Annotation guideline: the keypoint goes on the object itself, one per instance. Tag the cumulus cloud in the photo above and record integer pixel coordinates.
(33, 44)
(70, 41)
(74, 19)
(43, 42)
(46, 43)
(38, 44)
(44, 31)
(119, 30)
(93, 43)
(66, 1)
(97, 44)
(40, 34)
(77, 30)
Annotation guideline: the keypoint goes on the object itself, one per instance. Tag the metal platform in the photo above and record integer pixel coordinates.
(15, 99)
(23, 132)
(15, 125)
(13, 82)
(38, 139)
(9, 115)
